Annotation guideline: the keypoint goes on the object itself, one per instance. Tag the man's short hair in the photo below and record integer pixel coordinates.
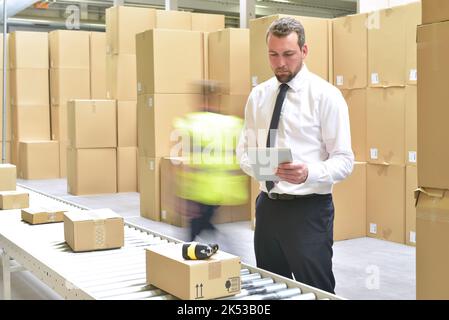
(284, 26)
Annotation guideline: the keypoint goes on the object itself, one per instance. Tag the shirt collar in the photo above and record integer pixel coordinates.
(297, 82)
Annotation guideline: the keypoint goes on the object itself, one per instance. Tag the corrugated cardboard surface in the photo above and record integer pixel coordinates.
(67, 84)
(59, 130)
(98, 65)
(42, 215)
(28, 50)
(411, 122)
(173, 19)
(349, 198)
(385, 125)
(29, 87)
(161, 69)
(317, 61)
(7, 177)
(149, 187)
(127, 123)
(126, 169)
(63, 147)
(433, 93)
(69, 49)
(386, 202)
(31, 122)
(91, 171)
(435, 11)
(413, 19)
(411, 184)
(14, 200)
(93, 230)
(8, 109)
(218, 276)
(8, 152)
(207, 22)
(432, 247)
(228, 104)
(229, 60)
(121, 77)
(92, 123)
(39, 160)
(356, 100)
(350, 51)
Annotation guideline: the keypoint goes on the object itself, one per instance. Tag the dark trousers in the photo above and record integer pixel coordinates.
(296, 236)
(202, 221)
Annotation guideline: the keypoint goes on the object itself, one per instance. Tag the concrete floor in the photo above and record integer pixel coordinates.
(364, 268)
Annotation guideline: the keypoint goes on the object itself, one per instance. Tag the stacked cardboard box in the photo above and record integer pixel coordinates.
(432, 209)
(29, 89)
(69, 79)
(8, 111)
(97, 55)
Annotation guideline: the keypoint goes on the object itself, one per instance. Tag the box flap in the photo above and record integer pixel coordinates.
(88, 215)
(12, 193)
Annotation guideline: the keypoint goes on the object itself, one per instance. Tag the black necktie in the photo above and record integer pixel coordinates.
(271, 138)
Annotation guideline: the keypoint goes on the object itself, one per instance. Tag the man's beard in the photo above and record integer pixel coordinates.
(286, 76)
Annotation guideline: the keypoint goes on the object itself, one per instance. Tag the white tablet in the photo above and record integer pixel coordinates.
(264, 161)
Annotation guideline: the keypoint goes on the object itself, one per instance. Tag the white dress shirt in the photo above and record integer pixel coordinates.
(314, 124)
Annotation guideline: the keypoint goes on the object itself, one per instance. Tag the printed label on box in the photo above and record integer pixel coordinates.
(413, 75)
(374, 153)
(254, 81)
(412, 156)
(374, 78)
(339, 80)
(373, 228)
(412, 236)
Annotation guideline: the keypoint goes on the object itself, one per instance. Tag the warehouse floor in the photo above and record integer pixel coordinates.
(364, 268)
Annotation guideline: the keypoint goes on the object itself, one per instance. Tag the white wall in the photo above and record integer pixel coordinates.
(372, 5)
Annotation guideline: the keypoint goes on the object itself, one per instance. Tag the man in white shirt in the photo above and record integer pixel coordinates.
(296, 109)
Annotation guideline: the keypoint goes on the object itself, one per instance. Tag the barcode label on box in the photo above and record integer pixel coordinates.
(139, 87)
(254, 81)
(412, 156)
(374, 78)
(339, 80)
(412, 236)
(150, 102)
(373, 228)
(374, 153)
(163, 215)
(413, 75)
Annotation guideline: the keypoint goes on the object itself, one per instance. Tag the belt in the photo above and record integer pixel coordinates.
(285, 196)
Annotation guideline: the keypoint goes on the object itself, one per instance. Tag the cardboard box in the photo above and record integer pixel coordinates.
(350, 205)
(8, 110)
(126, 123)
(121, 77)
(413, 19)
(350, 51)
(385, 202)
(149, 187)
(173, 19)
(316, 30)
(156, 115)
(122, 25)
(59, 127)
(69, 49)
(207, 22)
(218, 276)
(14, 200)
(356, 100)
(38, 160)
(432, 247)
(1, 44)
(31, 122)
(93, 230)
(23, 93)
(127, 169)
(162, 69)
(385, 125)
(411, 184)
(228, 104)
(434, 11)
(8, 151)
(63, 147)
(411, 122)
(92, 123)
(98, 65)
(91, 171)
(7, 177)
(42, 215)
(67, 84)
(28, 49)
(433, 50)
(229, 60)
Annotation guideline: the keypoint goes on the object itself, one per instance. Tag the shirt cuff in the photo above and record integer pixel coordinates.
(314, 173)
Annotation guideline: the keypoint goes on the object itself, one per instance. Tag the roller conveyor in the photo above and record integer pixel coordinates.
(111, 274)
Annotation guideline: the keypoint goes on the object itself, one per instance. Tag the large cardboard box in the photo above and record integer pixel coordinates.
(8, 174)
(28, 49)
(317, 61)
(69, 49)
(121, 77)
(91, 171)
(63, 147)
(92, 123)
(67, 84)
(411, 184)
(411, 122)
(413, 19)
(356, 100)
(173, 19)
(434, 11)
(14, 200)
(8, 112)
(127, 123)
(432, 247)
(127, 169)
(385, 204)
(149, 187)
(98, 65)
(40, 215)
(433, 131)
(385, 127)
(38, 160)
(218, 276)
(59, 128)
(229, 104)
(229, 60)
(162, 69)
(8, 151)
(350, 205)
(93, 230)
(29, 87)
(207, 22)
(122, 25)
(156, 115)
(31, 122)
(350, 51)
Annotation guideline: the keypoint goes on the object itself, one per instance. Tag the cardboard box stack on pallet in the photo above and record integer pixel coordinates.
(432, 209)
(9, 197)
(8, 111)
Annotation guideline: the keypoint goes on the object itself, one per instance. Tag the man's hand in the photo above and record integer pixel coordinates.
(292, 172)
